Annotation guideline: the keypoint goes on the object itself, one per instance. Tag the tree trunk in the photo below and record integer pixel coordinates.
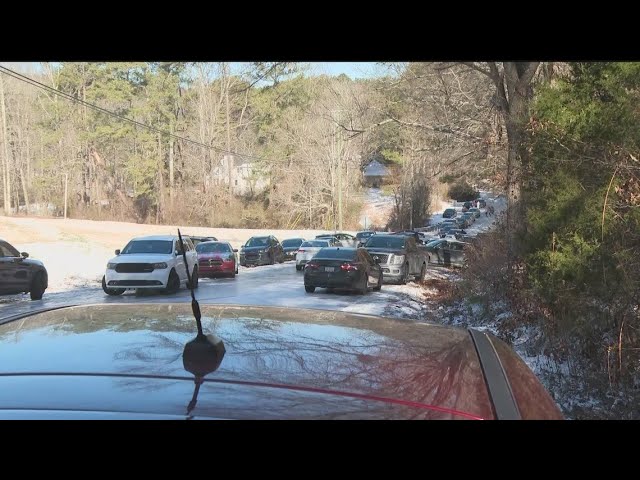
(171, 172)
(24, 190)
(5, 142)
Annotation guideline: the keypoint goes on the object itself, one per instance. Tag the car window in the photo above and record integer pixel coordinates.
(257, 242)
(148, 247)
(213, 248)
(315, 243)
(7, 250)
(340, 254)
(292, 242)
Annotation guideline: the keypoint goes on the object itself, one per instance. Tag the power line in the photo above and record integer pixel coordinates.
(67, 96)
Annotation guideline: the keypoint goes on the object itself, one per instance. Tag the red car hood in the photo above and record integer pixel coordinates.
(279, 363)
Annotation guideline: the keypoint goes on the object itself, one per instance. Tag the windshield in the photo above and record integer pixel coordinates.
(385, 241)
(293, 242)
(315, 243)
(257, 242)
(148, 246)
(338, 253)
(212, 248)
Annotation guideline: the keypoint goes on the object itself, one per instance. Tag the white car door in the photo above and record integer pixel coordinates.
(182, 272)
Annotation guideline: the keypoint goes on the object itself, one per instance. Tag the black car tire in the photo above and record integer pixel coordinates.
(309, 289)
(378, 287)
(37, 287)
(173, 283)
(405, 275)
(365, 287)
(194, 279)
(109, 291)
(298, 267)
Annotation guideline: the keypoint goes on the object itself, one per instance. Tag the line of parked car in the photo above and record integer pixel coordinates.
(333, 260)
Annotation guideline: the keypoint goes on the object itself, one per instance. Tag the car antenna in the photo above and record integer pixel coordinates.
(203, 354)
(195, 306)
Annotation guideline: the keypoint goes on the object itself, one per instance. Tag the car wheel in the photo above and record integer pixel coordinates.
(173, 283)
(37, 287)
(110, 291)
(378, 287)
(298, 267)
(309, 289)
(364, 288)
(194, 278)
(405, 275)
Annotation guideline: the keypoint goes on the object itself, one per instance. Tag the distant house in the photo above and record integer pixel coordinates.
(244, 176)
(375, 174)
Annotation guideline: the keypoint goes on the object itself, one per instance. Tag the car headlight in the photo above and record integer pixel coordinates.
(111, 266)
(398, 260)
(159, 265)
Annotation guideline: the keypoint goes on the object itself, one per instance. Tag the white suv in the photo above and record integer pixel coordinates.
(151, 262)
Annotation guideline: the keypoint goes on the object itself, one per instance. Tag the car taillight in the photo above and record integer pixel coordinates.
(348, 267)
(313, 265)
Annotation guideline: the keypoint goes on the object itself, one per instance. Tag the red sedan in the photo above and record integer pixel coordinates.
(216, 258)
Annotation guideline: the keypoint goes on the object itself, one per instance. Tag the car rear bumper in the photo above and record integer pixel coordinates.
(331, 280)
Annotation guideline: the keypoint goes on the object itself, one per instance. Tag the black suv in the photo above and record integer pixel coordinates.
(449, 213)
(19, 273)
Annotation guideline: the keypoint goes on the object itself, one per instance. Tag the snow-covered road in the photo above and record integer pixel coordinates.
(279, 285)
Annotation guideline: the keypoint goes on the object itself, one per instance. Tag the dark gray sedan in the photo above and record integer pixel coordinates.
(20, 274)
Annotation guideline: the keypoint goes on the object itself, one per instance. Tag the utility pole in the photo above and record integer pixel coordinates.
(339, 154)
(66, 183)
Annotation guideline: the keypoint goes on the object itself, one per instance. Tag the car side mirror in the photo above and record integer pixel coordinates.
(118, 252)
(235, 249)
(24, 255)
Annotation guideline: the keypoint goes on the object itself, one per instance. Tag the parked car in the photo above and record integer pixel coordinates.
(463, 222)
(264, 250)
(363, 236)
(197, 240)
(346, 239)
(446, 252)
(307, 250)
(470, 217)
(466, 206)
(475, 212)
(21, 274)
(217, 258)
(399, 257)
(344, 268)
(449, 213)
(141, 361)
(332, 239)
(153, 262)
(290, 247)
(418, 236)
